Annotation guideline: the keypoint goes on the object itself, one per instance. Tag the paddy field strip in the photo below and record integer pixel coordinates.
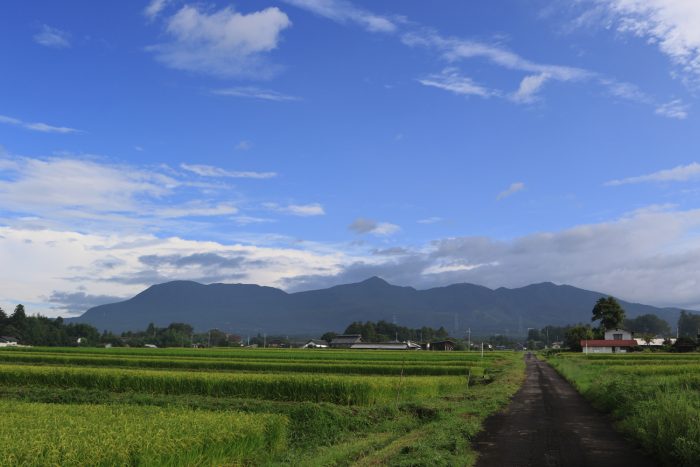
(248, 406)
(655, 398)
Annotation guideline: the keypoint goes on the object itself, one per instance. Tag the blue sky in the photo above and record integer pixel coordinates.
(306, 143)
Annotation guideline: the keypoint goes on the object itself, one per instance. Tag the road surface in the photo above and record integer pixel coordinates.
(549, 424)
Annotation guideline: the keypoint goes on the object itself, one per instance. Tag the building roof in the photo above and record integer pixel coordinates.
(384, 346)
(609, 343)
(347, 339)
(7, 339)
(317, 342)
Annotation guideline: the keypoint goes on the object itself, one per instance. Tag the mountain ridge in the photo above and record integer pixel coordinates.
(251, 308)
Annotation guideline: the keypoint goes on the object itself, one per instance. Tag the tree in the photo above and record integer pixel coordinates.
(329, 336)
(609, 312)
(689, 324)
(575, 334)
(648, 324)
(19, 316)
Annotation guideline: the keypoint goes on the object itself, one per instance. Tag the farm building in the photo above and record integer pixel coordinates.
(616, 341)
(315, 344)
(345, 341)
(386, 346)
(442, 345)
(656, 342)
(6, 341)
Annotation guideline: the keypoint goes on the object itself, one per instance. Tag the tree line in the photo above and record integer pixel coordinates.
(384, 331)
(42, 331)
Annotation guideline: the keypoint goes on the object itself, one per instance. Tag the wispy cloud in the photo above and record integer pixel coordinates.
(254, 92)
(363, 225)
(430, 220)
(671, 25)
(223, 43)
(450, 80)
(511, 190)
(301, 210)
(211, 171)
(243, 145)
(682, 173)
(673, 109)
(529, 87)
(37, 126)
(455, 49)
(155, 8)
(345, 12)
(52, 37)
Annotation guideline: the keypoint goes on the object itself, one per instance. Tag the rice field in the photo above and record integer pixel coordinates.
(81, 406)
(655, 398)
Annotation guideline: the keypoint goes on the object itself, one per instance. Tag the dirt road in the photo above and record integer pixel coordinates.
(548, 424)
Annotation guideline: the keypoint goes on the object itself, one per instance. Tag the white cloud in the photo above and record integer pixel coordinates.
(301, 210)
(155, 8)
(211, 171)
(343, 12)
(92, 194)
(649, 256)
(671, 25)
(224, 43)
(363, 225)
(37, 126)
(511, 190)
(253, 92)
(244, 145)
(50, 266)
(430, 220)
(450, 80)
(627, 91)
(52, 37)
(196, 209)
(454, 49)
(682, 173)
(42, 185)
(674, 109)
(529, 87)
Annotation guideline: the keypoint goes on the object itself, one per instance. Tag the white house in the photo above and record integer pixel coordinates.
(655, 342)
(617, 334)
(6, 341)
(616, 341)
(315, 344)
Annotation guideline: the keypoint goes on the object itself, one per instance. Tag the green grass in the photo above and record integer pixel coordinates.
(654, 397)
(34, 434)
(373, 416)
(239, 364)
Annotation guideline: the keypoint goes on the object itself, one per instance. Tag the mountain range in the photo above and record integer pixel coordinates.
(248, 309)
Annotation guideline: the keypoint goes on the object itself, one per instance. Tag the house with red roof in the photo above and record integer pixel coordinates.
(616, 341)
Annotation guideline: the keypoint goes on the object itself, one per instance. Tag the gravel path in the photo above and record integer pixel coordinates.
(548, 423)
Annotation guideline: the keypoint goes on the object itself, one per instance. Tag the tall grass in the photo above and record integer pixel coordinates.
(335, 389)
(33, 434)
(657, 402)
(258, 365)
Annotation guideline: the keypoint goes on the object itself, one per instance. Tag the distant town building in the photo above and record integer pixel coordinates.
(655, 342)
(345, 341)
(408, 345)
(7, 341)
(443, 345)
(315, 344)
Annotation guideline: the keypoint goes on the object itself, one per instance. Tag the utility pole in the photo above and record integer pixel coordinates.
(264, 340)
(482, 350)
(469, 333)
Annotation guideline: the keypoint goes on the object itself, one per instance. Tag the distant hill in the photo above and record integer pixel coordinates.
(249, 309)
